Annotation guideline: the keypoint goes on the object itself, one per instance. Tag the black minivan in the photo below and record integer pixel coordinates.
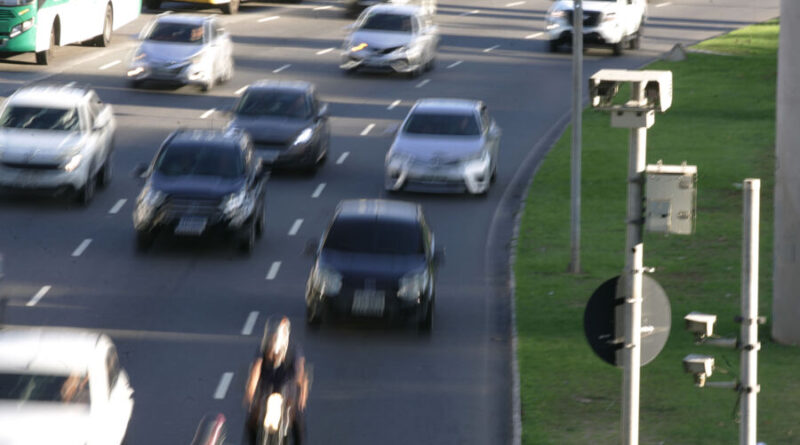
(202, 182)
(376, 259)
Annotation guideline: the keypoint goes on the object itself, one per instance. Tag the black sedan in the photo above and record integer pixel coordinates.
(287, 122)
(202, 182)
(376, 259)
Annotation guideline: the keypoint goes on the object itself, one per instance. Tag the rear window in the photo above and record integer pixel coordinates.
(387, 22)
(375, 236)
(45, 388)
(442, 124)
(290, 104)
(200, 160)
(176, 33)
(36, 118)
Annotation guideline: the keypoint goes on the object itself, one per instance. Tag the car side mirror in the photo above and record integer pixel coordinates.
(323, 111)
(141, 171)
(312, 246)
(102, 119)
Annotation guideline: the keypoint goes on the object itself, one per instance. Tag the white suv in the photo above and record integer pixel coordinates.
(614, 23)
(62, 386)
(57, 138)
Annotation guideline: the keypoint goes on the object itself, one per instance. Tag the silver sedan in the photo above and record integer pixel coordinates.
(393, 38)
(444, 145)
(184, 49)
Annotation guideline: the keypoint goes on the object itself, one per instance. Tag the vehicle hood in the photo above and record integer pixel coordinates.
(37, 146)
(270, 130)
(441, 148)
(198, 186)
(169, 52)
(588, 5)
(38, 423)
(380, 40)
(385, 270)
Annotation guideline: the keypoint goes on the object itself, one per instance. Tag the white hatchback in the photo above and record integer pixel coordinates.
(62, 386)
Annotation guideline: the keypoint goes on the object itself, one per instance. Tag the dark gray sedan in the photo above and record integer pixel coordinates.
(286, 121)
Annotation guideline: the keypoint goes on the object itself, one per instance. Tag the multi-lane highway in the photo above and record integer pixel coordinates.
(186, 316)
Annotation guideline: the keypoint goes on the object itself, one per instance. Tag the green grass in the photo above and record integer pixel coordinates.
(723, 121)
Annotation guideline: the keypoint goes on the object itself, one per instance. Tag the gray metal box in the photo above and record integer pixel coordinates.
(671, 192)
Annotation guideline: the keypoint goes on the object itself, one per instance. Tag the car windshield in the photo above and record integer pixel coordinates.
(176, 32)
(375, 236)
(45, 388)
(387, 22)
(290, 104)
(191, 159)
(37, 118)
(442, 124)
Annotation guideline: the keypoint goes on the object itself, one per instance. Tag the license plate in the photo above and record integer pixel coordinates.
(191, 225)
(368, 302)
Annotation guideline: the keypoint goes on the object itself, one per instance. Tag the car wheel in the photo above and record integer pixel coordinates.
(431, 63)
(144, 240)
(618, 48)
(313, 314)
(553, 46)
(261, 223)
(636, 41)
(152, 4)
(206, 87)
(231, 8)
(104, 39)
(493, 179)
(45, 57)
(106, 172)
(86, 193)
(426, 320)
(248, 241)
(228, 75)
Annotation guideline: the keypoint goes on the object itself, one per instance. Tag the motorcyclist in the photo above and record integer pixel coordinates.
(278, 367)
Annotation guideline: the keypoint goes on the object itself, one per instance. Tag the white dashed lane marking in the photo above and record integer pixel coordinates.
(267, 19)
(240, 90)
(222, 387)
(318, 190)
(322, 8)
(324, 51)
(295, 227)
(38, 296)
(278, 70)
(491, 48)
(661, 5)
(208, 113)
(423, 83)
(367, 129)
(474, 11)
(273, 270)
(81, 247)
(109, 65)
(512, 4)
(455, 64)
(533, 36)
(118, 206)
(393, 104)
(250, 323)
(342, 157)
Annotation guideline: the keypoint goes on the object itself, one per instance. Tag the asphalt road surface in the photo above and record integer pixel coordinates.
(186, 316)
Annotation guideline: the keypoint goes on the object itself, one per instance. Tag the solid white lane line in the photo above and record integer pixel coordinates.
(455, 64)
(81, 247)
(222, 387)
(273, 270)
(267, 19)
(318, 190)
(512, 4)
(342, 157)
(491, 48)
(295, 227)
(393, 104)
(250, 323)
(367, 129)
(423, 83)
(38, 296)
(208, 113)
(533, 36)
(661, 5)
(278, 70)
(240, 90)
(474, 11)
(324, 51)
(322, 8)
(118, 206)
(109, 65)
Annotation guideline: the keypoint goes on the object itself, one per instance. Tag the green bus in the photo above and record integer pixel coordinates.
(40, 26)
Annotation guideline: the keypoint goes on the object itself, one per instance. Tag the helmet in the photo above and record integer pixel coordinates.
(275, 342)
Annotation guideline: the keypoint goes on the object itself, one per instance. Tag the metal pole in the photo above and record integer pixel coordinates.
(577, 108)
(750, 344)
(634, 252)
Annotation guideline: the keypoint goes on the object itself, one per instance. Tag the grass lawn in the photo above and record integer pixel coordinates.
(722, 120)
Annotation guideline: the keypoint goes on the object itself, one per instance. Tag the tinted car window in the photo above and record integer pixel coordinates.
(205, 160)
(442, 124)
(387, 22)
(375, 236)
(273, 103)
(45, 388)
(41, 118)
(176, 32)
(112, 366)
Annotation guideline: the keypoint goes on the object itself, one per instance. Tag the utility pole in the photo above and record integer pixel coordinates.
(749, 318)
(577, 124)
(786, 280)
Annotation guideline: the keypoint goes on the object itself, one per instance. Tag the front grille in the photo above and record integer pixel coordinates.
(6, 14)
(178, 206)
(387, 50)
(272, 146)
(590, 18)
(29, 166)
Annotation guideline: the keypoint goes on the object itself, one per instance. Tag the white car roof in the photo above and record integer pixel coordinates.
(58, 351)
(447, 105)
(392, 8)
(53, 96)
(192, 19)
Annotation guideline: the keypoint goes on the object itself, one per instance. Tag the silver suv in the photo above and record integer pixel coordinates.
(56, 138)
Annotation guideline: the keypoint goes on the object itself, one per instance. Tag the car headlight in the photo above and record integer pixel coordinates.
(556, 14)
(326, 281)
(476, 163)
(609, 17)
(412, 285)
(72, 162)
(20, 28)
(272, 418)
(304, 136)
(234, 201)
(358, 47)
(151, 198)
(195, 59)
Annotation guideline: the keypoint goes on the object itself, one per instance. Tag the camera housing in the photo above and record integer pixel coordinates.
(701, 366)
(656, 89)
(700, 324)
